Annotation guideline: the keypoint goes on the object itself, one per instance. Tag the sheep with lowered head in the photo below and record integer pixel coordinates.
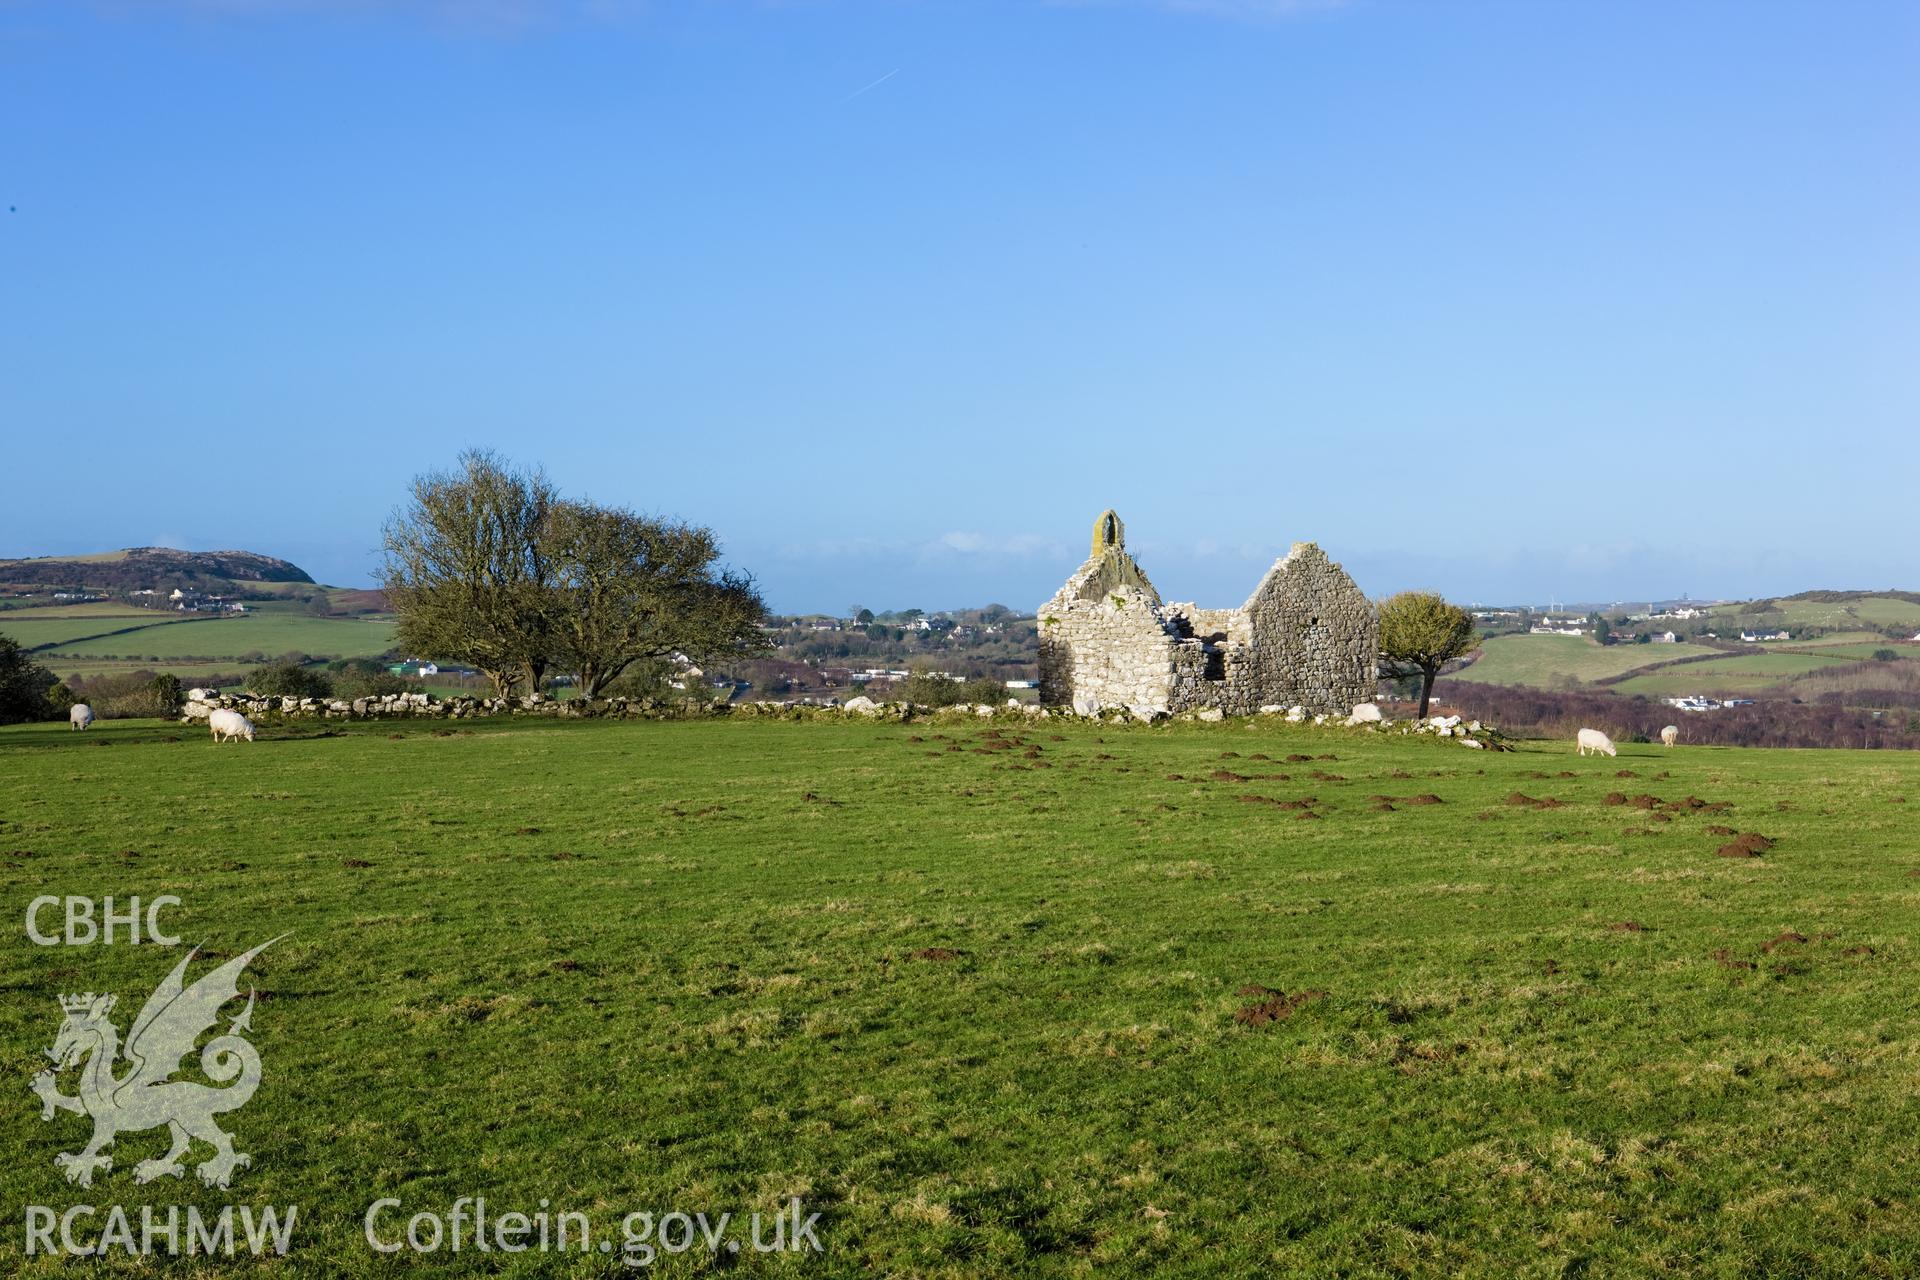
(1670, 735)
(228, 725)
(80, 715)
(1594, 740)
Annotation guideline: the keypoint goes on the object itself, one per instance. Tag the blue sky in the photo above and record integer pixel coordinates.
(1513, 300)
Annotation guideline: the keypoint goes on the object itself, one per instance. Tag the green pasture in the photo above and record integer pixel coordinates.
(230, 637)
(1874, 611)
(1863, 651)
(27, 609)
(1040, 999)
(37, 631)
(1544, 661)
(1739, 673)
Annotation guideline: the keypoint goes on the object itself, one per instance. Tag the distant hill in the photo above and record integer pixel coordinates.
(155, 568)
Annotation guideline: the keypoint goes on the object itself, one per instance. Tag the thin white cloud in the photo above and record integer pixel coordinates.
(966, 542)
(954, 544)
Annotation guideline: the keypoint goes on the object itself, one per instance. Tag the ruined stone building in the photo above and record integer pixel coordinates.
(1305, 637)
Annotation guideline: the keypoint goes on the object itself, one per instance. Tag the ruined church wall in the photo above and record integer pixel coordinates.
(1316, 636)
(1115, 650)
(1307, 636)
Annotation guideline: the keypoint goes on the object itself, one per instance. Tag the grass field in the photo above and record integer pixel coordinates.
(32, 633)
(231, 637)
(105, 639)
(974, 998)
(1859, 652)
(1739, 673)
(1875, 611)
(88, 609)
(1837, 640)
(1541, 662)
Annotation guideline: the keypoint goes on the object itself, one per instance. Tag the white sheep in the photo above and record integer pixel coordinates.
(1670, 735)
(231, 724)
(80, 715)
(1594, 740)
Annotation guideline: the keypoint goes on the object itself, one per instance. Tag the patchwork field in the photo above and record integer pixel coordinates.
(1739, 673)
(1859, 651)
(102, 639)
(1048, 1000)
(1556, 662)
(1543, 662)
(1875, 611)
(35, 631)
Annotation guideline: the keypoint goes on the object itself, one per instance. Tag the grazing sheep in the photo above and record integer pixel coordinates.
(1670, 735)
(80, 715)
(1594, 740)
(230, 723)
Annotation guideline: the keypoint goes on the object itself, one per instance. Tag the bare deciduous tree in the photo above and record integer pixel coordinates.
(466, 568)
(632, 588)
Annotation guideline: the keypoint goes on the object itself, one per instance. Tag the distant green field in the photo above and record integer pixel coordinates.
(188, 670)
(987, 1005)
(37, 631)
(1543, 661)
(1872, 610)
(1862, 650)
(96, 557)
(1742, 674)
(88, 609)
(1832, 640)
(267, 633)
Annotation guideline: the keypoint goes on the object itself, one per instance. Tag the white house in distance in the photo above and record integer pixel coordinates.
(1666, 637)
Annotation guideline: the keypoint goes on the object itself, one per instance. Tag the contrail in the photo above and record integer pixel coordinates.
(875, 85)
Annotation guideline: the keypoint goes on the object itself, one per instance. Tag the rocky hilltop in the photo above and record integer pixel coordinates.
(139, 568)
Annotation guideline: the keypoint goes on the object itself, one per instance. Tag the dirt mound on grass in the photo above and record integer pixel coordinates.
(1274, 1007)
(1227, 775)
(1724, 958)
(1627, 926)
(935, 953)
(1750, 845)
(1520, 799)
(1786, 939)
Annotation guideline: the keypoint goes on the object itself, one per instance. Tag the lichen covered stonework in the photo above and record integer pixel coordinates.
(1306, 637)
